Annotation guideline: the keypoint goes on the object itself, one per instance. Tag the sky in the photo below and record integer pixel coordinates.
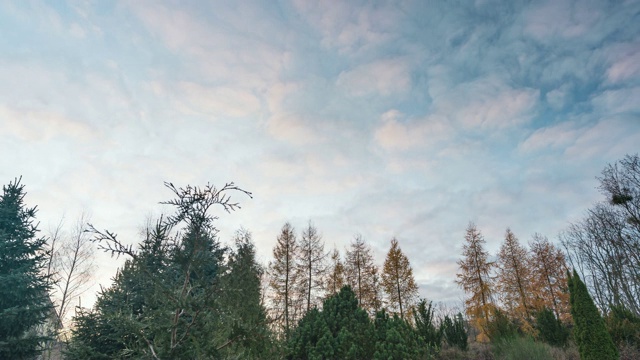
(404, 119)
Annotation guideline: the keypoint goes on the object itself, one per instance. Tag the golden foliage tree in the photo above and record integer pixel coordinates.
(335, 274)
(397, 280)
(514, 282)
(360, 273)
(283, 277)
(474, 276)
(549, 269)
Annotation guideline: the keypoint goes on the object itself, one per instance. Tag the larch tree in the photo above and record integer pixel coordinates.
(549, 277)
(311, 267)
(397, 280)
(335, 274)
(24, 299)
(514, 281)
(359, 274)
(474, 276)
(283, 277)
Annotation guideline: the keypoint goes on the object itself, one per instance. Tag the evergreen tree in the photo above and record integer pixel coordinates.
(475, 279)
(589, 332)
(550, 328)
(244, 320)
(24, 299)
(425, 326)
(166, 302)
(341, 330)
(397, 280)
(454, 331)
(395, 338)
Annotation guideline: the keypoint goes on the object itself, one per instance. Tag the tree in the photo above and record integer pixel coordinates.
(71, 265)
(549, 278)
(283, 277)
(454, 331)
(589, 332)
(165, 303)
(425, 326)
(312, 266)
(605, 245)
(244, 323)
(514, 282)
(360, 274)
(396, 340)
(397, 280)
(335, 274)
(24, 300)
(341, 330)
(475, 279)
(550, 328)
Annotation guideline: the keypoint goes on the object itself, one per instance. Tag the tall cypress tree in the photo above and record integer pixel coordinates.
(590, 332)
(24, 299)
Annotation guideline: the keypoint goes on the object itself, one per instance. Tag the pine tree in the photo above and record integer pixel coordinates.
(589, 332)
(360, 273)
(283, 277)
(397, 280)
(549, 281)
(311, 266)
(396, 340)
(514, 282)
(24, 299)
(335, 274)
(425, 326)
(341, 330)
(475, 279)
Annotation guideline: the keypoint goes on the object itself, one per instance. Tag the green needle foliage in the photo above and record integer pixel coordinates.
(342, 330)
(550, 328)
(24, 299)
(589, 332)
(454, 332)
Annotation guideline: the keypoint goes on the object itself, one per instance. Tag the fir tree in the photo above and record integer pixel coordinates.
(24, 299)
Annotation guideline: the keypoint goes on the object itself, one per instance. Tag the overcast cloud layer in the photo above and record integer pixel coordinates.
(402, 119)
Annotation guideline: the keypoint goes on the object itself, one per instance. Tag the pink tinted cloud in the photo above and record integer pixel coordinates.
(382, 77)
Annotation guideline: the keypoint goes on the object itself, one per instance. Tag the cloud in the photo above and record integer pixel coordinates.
(486, 103)
(217, 101)
(396, 132)
(383, 77)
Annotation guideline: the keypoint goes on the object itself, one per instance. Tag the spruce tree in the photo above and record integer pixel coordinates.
(589, 332)
(24, 299)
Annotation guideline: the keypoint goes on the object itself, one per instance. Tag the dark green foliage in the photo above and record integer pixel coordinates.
(454, 332)
(589, 332)
(500, 327)
(396, 340)
(341, 330)
(168, 301)
(550, 329)
(623, 326)
(24, 299)
(241, 303)
(425, 327)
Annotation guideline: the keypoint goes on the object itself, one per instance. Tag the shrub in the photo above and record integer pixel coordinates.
(550, 329)
(519, 348)
(454, 331)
